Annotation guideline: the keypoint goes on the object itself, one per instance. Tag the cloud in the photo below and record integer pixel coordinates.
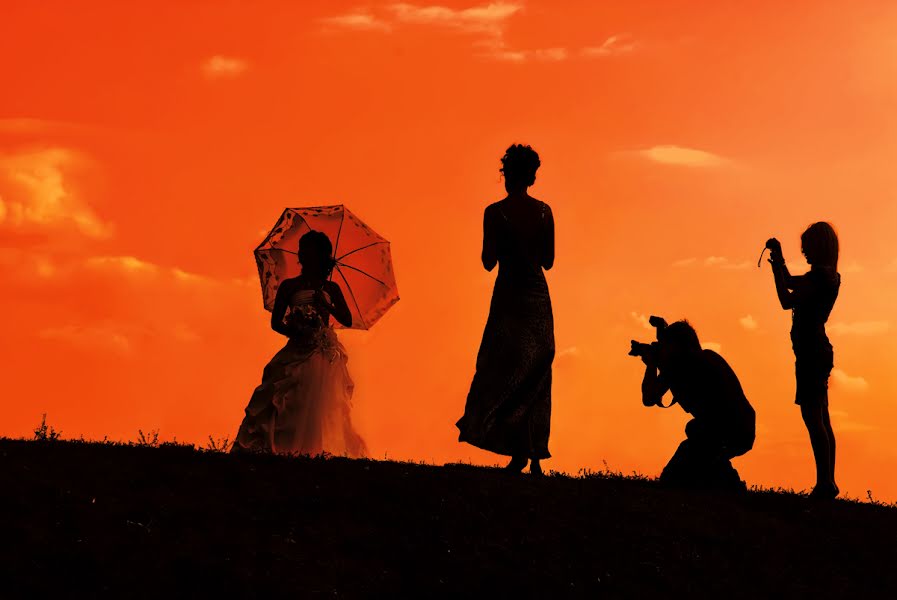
(860, 328)
(358, 20)
(572, 351)
(128, 264)
(748, 322)
(686, 262)
(37, 193)
(499, 51)
(487, 21)
(843, 422)
(715, 346)
(849, 383)
(488, 18)
(25, 125)
(621, 43)
(715, 262)
(92, 337)
(680, 156)
(133, 266)
(641, 320)
(224, 67)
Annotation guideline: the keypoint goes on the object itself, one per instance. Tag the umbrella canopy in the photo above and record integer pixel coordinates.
(363, 261)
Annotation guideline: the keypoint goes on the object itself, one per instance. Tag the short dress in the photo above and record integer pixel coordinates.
(814, 296)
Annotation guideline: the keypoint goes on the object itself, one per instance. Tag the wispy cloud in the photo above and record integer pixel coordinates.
(486, 22)
(89, 336)
(748, 322)
(572, 352)
(362, 21)
(621, 43)
(681, 156)
(860, 328)
(499, 51)
(849, 383)
(30, 126)
(714, 262)
(133, 266)
(715, 346)
(224, 67)
(641, 319)
(40, 194)
(852, 267)
(488, 18)
(843, 422)
(128, 264)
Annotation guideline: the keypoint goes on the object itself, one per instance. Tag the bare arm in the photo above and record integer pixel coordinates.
(337, 305)
(653, 385)
(281, 301)
(780, 273)
(547, 256)
(490, 251)
(782, 278)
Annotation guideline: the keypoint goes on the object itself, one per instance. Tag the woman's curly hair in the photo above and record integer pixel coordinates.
(519, 165)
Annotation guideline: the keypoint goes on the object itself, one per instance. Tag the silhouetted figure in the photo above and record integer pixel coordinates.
(508, 409)
(810, 298)
(302, 405)
(706, 387)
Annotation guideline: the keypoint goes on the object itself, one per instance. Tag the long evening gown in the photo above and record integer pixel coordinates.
(302, 405)
(508, 409)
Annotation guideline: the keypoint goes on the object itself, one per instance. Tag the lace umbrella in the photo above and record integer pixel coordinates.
(363, 261)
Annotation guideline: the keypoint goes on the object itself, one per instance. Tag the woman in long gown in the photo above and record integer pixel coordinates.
(508, 409)
(811, 298)
(302, 405)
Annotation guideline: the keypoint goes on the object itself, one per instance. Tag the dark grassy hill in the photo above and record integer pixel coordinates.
(126, 521)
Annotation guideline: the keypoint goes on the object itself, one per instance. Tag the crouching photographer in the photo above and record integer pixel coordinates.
(706, 387)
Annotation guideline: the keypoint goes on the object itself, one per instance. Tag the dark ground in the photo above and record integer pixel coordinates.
(126, 521)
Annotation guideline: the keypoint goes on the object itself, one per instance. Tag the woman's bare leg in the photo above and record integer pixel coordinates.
(819, 440)
(827, 423)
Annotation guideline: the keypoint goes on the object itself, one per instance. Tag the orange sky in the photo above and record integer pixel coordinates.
(146, 147)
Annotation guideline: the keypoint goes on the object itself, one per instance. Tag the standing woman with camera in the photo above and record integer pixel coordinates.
(811, 297)
(508, 409)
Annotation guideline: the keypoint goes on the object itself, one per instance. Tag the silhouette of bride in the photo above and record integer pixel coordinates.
(508, 408)
(302, 405)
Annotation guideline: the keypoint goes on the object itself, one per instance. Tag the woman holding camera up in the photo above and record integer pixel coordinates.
(508, 409)
(811, 297)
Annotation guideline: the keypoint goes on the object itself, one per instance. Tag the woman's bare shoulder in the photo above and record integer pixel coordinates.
(541, 203)
(494, 207)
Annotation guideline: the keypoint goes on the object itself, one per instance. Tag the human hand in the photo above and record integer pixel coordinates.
(775, 251)
(323, 298)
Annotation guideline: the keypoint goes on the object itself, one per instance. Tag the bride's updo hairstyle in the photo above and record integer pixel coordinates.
(316, 252)
(519, 165)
